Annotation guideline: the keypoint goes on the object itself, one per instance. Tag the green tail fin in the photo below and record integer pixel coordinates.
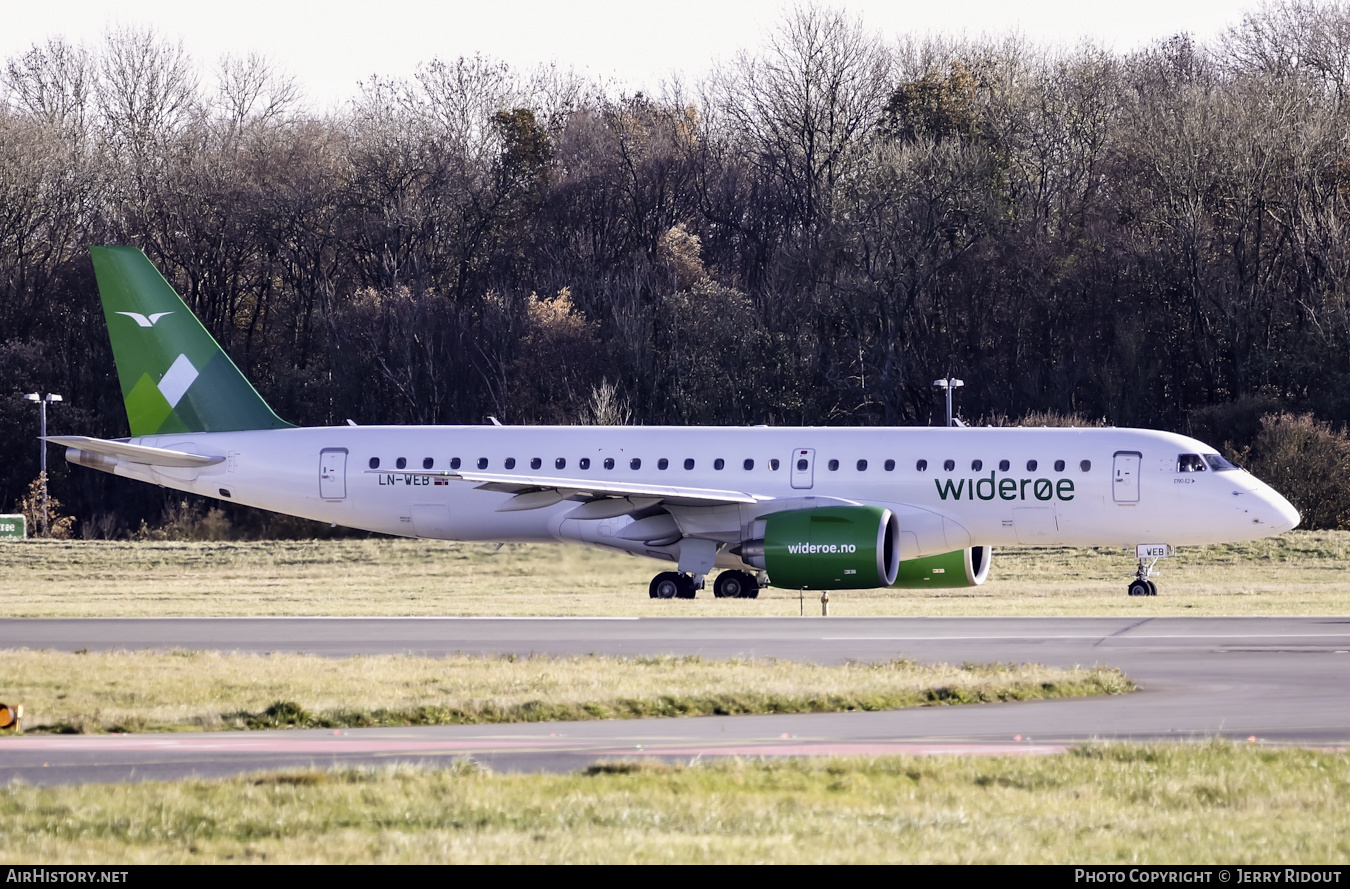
(175, 377)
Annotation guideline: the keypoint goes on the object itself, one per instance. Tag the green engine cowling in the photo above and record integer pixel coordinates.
(960, 568)
(828, 548)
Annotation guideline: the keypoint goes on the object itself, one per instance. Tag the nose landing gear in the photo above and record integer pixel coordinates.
(1141, 585)
(1148, 554)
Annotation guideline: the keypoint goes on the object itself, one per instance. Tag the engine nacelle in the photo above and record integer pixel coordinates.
(828, 548)
(963, 567)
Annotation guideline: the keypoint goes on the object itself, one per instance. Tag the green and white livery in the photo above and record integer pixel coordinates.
(802, 508)
(175, 377)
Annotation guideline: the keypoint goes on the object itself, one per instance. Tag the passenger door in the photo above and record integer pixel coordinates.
(1125, 477)
(803, 467)
(333, 473)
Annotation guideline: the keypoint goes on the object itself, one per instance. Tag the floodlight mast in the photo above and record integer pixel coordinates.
(949, 385)
(42, 402)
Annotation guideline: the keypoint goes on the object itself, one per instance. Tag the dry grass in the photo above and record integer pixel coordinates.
(1166, 804)
(1302, 572)
(139, 691)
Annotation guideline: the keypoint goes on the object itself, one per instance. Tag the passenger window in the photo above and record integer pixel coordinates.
(802, 464)
(889, 466)
(1031, 466)
(560, 463)
(1059, 466)
(427, 462)
(535, 462)
(949, 465)
(688, 462)
(719, 463)
(482, 463)
(609, 462)
(663, 463)
(773, 464)
(748, 465)
(584, 462)
(862, 465)
(1003, 465)
(921, 466)
(510, 463)
(1190, 463)
(976, 465)
(834, 466)
(635, 463)
(374, 462)
(401, 462)
(1085, 465)
(454, 463)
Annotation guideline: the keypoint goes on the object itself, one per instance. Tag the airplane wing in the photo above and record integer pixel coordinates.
(133, 453)
(536, 491)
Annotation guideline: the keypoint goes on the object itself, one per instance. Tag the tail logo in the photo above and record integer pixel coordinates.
(143, 320)
(174, 384)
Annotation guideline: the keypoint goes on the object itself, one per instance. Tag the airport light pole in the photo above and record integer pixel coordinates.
(949, 385)
(42, 402)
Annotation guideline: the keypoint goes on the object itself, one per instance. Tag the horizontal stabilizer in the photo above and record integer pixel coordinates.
(132, 453)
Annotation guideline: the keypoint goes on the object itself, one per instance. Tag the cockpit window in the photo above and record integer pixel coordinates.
(1190, 463)
(1219, 464)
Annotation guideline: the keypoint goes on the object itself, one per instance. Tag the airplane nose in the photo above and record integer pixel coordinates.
(1286, 518)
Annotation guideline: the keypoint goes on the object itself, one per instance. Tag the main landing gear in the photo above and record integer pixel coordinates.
(1141, 585)
(736, 585)
(673, 585)
(729, 585)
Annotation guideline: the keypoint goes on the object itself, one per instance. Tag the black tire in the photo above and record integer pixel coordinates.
(665, 585)
(1139, 588)
(729, 585)
(735, 585)
(686, 590)
(1152, 588)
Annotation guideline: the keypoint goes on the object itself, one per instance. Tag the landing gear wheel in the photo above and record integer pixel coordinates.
(672, 585)
(735, 585)
(665, 585)
(1141, 588)
(1152, 588)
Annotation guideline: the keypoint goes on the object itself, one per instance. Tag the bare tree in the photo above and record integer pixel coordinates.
(804, 105)
(147, 89)
(53, 82)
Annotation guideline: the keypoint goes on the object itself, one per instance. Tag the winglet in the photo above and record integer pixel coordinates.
(174, 375)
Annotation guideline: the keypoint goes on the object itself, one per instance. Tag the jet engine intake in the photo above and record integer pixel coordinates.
(959, 568)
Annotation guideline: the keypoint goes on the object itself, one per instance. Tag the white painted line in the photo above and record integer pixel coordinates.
(1087, 636)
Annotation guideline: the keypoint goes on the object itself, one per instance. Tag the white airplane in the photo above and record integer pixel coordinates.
(800, 508)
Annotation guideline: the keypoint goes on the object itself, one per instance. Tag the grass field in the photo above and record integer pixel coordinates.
(1302, 572)
(175, 691)
(1169, 804)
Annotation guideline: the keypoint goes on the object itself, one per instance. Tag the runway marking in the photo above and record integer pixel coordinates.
(354, 746)
(845, 748)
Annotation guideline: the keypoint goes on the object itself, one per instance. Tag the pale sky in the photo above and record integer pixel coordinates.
(330, 46)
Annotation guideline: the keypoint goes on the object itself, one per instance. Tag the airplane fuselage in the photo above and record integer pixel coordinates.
(950, 488)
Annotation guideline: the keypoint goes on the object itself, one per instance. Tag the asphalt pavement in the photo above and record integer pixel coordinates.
(1270, 680)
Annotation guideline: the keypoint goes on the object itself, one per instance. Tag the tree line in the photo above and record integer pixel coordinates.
(811, 234)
